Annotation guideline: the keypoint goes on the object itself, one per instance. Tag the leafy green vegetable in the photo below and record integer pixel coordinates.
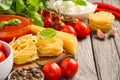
(14, 22)
(78, 2)
(41, 6)
(5, 4)
(48, 33)
(28, 7)
(36, 19)
(3, 23)
(20, 6)
(9, 22)
(32, 5)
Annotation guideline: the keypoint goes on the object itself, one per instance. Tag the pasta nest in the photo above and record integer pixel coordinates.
(101, 20)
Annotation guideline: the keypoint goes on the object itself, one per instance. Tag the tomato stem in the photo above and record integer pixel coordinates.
(40, 65)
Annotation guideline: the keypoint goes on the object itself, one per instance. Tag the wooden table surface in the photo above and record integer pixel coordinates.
(99, 59)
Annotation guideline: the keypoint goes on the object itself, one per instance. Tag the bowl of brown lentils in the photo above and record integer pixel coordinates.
(26, 74)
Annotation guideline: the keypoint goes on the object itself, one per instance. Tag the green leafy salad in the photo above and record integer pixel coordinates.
(28, 7)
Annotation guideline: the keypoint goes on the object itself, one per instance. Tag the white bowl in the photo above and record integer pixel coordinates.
(82, 16)
(6, 65)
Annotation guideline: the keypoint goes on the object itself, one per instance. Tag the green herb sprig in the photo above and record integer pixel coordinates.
(78, 2)
(10, 22)
(48, 33)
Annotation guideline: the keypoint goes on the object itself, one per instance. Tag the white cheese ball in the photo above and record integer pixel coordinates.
(72, 10)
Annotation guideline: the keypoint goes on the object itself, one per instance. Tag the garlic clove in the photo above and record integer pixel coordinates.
(100, 34)
(113, 31)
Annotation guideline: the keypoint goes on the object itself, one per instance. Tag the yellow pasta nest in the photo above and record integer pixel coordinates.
(49, 46)
(24, 49)
(101, 20)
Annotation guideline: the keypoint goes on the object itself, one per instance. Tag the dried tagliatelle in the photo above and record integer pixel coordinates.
(70, 41)
(50, 45)
(24, 49)
(101, 20)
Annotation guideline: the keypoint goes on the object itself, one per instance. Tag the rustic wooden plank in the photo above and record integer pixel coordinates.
(106, 58)
(86, 62)
(117, 37)
(106, 55)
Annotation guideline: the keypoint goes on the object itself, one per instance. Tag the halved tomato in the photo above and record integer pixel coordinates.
(8, 32)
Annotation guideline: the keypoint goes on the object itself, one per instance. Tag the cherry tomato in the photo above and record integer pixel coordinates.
(72, 21)
(69, 29)
(69, 67)
(52, 71)
(45, 13)
(47, 22)
(1, 47)
(2, 56)
(57, 27)
(81, 29)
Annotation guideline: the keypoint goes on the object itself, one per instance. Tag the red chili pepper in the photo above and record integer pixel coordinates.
(116, 14)
(107, 6)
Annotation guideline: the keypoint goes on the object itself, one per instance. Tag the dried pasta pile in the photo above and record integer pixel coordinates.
(49, 46)
(24, 49)
(101, 20)
(31, 47)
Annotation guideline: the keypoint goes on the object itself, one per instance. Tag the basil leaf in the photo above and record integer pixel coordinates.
(3, 23)
(48, 33)
(80, 2)
(14, 22)
(5, 4)
(9, 22)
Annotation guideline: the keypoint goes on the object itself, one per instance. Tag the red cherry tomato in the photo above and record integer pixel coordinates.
(52, 71)
(57, 27)
(2, 56)
(69, 29)
(47, 22)
(81, 29)
(1, 47)
(45, 13)
(72, 21)
(69, 67)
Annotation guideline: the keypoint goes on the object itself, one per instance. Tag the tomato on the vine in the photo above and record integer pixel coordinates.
(2, 56)
(56, 27)
(47, 21)
(52, 71)
(45, 13)
(69, 67)
(69, 29)
(72, 21)
(58, 24)
(81, 29)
